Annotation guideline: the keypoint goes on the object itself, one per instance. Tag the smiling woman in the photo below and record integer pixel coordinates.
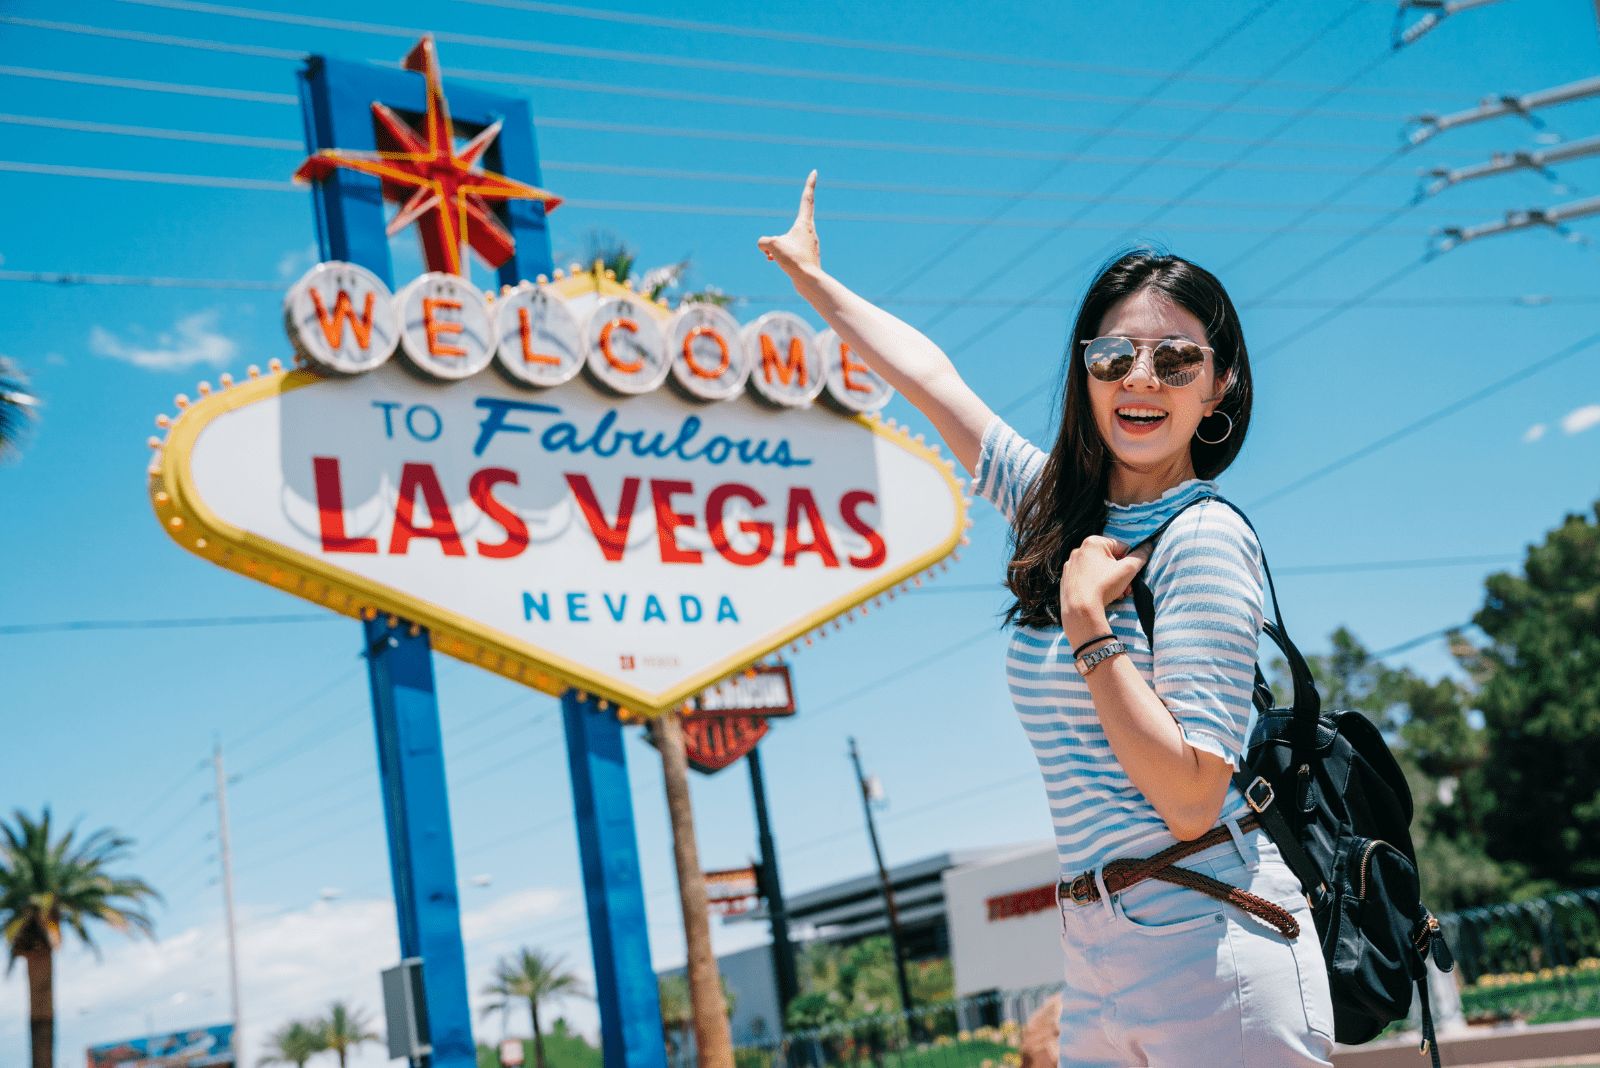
(1137, 732)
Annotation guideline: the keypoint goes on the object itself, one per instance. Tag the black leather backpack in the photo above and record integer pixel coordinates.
(1330, 794)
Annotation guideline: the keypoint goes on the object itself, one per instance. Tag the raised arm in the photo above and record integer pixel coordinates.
(911, 363)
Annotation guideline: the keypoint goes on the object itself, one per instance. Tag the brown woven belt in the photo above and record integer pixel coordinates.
(1121, 874)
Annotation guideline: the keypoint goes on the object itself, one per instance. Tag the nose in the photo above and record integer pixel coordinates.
(1142, 375)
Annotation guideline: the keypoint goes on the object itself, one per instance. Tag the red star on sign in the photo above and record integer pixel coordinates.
(442, 191)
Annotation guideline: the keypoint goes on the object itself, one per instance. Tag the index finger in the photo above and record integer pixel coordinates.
(808, 198)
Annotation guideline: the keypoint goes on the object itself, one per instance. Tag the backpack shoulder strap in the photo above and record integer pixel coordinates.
(1144, 601)
(1258, 793)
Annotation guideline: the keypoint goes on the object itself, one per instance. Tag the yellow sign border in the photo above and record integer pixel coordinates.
(189, 522)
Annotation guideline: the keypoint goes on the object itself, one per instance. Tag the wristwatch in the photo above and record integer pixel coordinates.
(1089, 661)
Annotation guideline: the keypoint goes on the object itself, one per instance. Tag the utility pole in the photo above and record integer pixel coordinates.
(883, 877)
(783, 967)
(226, 854)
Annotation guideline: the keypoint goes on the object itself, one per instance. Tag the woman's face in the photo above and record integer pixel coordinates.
(1147, 423)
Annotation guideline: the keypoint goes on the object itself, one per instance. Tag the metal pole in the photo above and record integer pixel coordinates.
(883, 877)
(405, 712)
(602, 803)
(783, 966)
(227, 901)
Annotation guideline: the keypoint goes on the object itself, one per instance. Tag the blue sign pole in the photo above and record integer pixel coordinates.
(336, 99)
(625, 983)
(417, 811)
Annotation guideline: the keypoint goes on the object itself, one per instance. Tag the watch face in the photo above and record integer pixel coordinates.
(445, 331)
(708, 361)
(852, 385)
(626, 350)
(785, 366)
(538, 340)
(341, 318)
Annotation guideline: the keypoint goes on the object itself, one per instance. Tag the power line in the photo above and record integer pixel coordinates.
(893, 676)
(1304, 569)
(155, 38)
(1195, 187)
(68, 279)
(163, 624)
(156, 177)
(949, 248)
(1114, 129)
(644, 58)
(785, 182)
(654, 207)
(1347, 304)
(737, 31)
(248, 95)
(200, 136)
(1525, 300)
(340, 677)
(1427, 420)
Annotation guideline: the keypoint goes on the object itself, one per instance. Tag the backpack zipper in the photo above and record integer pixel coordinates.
(1366, 856)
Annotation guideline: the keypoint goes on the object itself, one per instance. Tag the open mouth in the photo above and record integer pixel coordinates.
(1138, 417)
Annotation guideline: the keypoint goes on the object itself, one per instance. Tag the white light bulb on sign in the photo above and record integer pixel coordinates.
(445, 331)
(852, 385)
(785, 366)
(340, 317)
(708, 360)
(538, 340)
(626, 351)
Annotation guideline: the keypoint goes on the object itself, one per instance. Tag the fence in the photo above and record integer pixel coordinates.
(981, 1031)
(1534, 960)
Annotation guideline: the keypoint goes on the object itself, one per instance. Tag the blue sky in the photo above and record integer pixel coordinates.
(913, 145)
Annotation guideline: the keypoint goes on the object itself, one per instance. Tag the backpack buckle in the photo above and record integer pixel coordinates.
(1258, 795)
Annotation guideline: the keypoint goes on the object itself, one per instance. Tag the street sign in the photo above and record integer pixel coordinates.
(733, 891)
(203, 1047)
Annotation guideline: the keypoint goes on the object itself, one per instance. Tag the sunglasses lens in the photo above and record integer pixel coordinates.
(1109, 358)
(1178, 362)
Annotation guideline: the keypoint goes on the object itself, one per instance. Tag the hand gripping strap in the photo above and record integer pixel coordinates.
(1307, 704)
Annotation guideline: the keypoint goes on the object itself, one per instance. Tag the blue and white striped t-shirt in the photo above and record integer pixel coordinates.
(1207, 579)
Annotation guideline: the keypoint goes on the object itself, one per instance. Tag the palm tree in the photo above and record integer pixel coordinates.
(45, 884)
(295, 1043)
(345, 1029)
(17, 407)
(537, 976)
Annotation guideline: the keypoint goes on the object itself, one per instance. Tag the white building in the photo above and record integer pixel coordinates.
(1003, 922)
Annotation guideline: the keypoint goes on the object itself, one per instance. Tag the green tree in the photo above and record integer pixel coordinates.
(345, 1029)
(1442, 755)
(1540, 698)
(17, 407)
(295, 1043)
(536, 976)
(45, 884)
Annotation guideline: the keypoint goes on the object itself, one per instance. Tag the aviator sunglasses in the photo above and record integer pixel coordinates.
(1177, 361)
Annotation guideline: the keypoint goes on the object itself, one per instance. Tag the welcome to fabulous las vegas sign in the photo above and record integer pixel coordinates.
(565, 482)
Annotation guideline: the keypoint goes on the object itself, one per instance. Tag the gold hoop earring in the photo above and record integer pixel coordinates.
(1225, 433)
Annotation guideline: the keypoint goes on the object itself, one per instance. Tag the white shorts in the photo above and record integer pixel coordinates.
(1166, 977)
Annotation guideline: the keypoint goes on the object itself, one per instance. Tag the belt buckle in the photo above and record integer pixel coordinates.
(1266, 802)
(1081, 889)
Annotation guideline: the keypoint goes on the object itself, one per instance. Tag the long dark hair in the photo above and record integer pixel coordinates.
(1067, 502)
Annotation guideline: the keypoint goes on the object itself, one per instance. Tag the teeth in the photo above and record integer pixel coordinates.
(1141, 413)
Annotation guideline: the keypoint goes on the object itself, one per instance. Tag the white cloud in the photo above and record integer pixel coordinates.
(1534, 432)
(193, 339)
(293, 962)
(1580, 419)
(291, 264)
